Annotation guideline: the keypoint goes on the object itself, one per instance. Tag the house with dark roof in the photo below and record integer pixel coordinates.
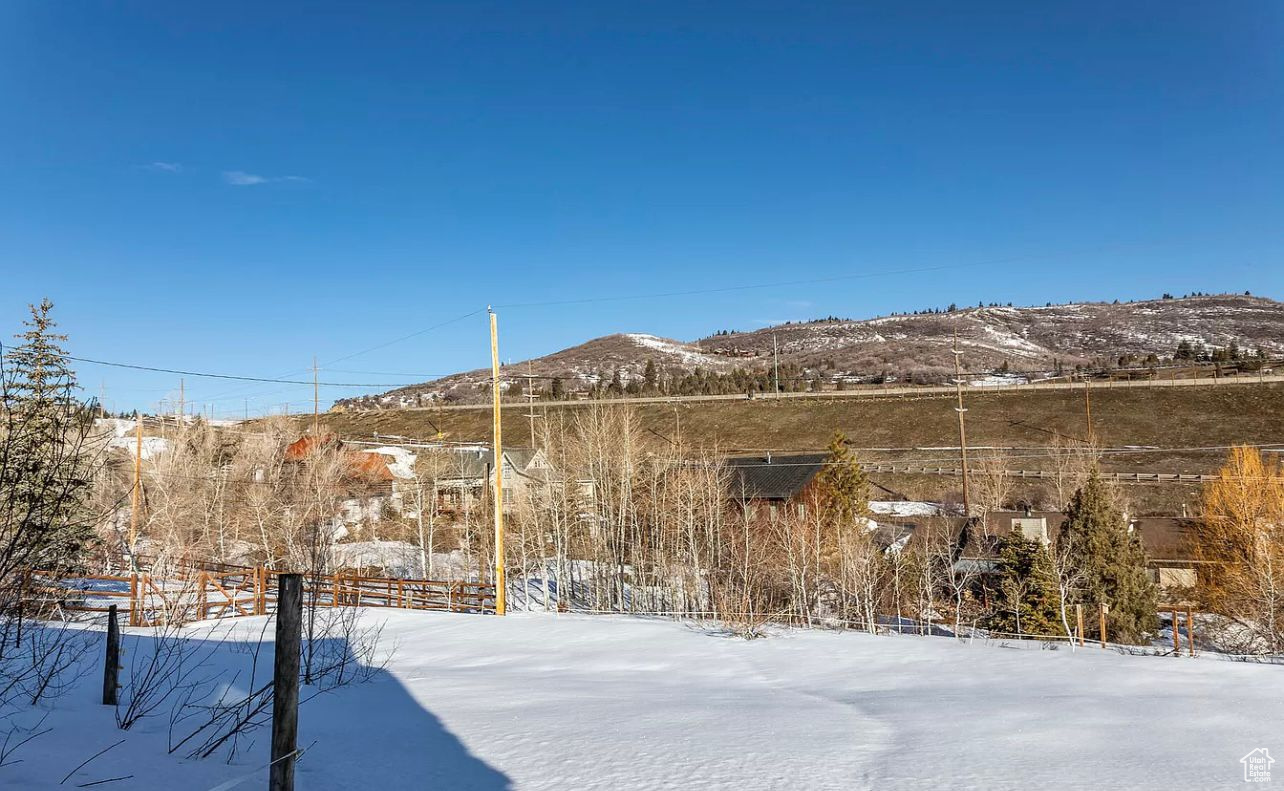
(769, 484)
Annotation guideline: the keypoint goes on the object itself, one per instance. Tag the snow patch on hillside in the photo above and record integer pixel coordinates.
(671, 348)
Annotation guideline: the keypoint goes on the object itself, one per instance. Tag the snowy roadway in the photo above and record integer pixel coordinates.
(536, 701)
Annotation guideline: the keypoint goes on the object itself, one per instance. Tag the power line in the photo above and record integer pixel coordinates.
(236, 377)
(238, 392)
(415, 334)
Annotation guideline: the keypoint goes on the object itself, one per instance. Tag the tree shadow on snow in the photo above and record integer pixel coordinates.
(376, 735)
(369, 733)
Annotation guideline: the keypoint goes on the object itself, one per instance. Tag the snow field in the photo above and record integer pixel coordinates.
(541, 701)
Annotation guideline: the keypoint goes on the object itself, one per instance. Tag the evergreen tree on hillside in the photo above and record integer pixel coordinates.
(650, 377)
(1027, 601)
(1111, 562)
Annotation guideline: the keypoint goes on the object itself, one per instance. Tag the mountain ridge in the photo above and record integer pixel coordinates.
(908, 346)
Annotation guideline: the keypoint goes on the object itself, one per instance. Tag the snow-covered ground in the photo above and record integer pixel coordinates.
(904, 508)
(537, 701)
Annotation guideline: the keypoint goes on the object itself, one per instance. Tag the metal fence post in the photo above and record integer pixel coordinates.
(285, 682)
(111, 667)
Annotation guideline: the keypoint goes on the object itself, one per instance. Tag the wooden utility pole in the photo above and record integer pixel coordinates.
(316, 400)
(182, 399)
(530, 401)
(958, 389)
(775, 353)
(285, 682)
(136, 494)
(111, 667)
(1087, 406)
(499, 465)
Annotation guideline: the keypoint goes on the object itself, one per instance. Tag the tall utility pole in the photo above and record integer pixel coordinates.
(499, 465)
(775, 353)
(182, 399)
(316, 400)
(530, 401)
(958, 389)
(1087, 406)
(136, 494)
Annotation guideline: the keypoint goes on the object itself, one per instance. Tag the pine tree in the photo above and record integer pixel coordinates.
(1027, 601)
(39, 384)
(1111, 563)
(557, 389)
(842, 485)
(45, 472)
(650, 376)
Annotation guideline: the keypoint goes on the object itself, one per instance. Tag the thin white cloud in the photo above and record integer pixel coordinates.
(164, 167)
(240, 178)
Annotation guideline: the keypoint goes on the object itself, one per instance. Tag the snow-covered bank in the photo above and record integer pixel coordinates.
(536, 701)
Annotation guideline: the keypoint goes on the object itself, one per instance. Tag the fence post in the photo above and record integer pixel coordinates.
(1078, 616)
(257, 582)
(1190, 631)
(1176, 632)
(111, 668)
(202, 603)
(285, 681)
(135, 606)
(1104, 608)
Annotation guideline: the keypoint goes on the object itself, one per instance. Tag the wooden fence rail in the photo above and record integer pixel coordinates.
(197, 594)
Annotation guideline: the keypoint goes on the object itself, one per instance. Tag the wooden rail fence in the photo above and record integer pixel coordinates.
(199, 594)
(1137, 477)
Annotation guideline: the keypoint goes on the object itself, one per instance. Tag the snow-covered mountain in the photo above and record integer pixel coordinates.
(917, 344)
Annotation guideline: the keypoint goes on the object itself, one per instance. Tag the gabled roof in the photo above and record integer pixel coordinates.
(1166, 538)
(773, 477)
(477, 463)
(359, 463)
(308, 444)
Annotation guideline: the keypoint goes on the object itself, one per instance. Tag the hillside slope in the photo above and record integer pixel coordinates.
(1035, 339)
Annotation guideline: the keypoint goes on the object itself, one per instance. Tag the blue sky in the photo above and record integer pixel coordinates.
(236, 187)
